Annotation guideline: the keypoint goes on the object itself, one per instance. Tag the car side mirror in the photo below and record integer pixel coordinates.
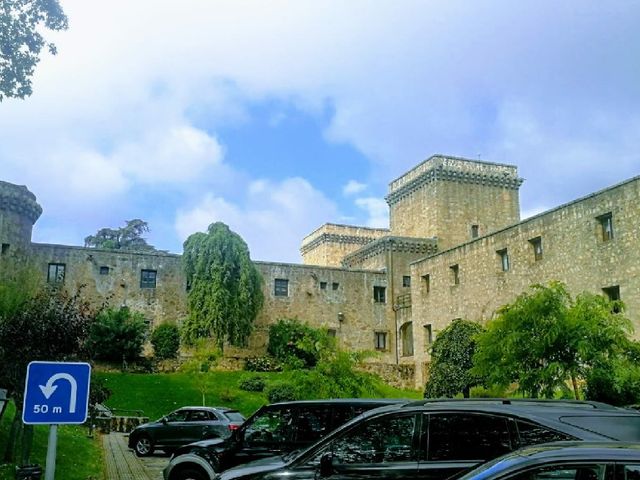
(326, 465)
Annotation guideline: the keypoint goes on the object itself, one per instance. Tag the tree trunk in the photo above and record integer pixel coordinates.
(574, 382)
(14, 434)
(27, 443)
(466, 392)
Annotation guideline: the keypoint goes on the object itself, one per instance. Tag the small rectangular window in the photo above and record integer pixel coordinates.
(281, 287)
(379, 294)
(380, 340)
(613, 294)
(606, 226)
(5, 248)
(104, 270)
(56, 273)
(504, 259)
(455, 274)
(148, 278)
(475, 231)
(335, 285)
(536, 243)
(331, 332)
(406, 281)
(426, 283)
(428, 336)
(323, 285)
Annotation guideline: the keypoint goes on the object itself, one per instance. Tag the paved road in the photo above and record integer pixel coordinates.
(122, 463)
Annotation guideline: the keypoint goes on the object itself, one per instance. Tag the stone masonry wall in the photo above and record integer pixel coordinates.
(574, 252)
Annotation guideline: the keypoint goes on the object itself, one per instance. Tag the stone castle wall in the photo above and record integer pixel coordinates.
(330, 243)
(444, 196)
(573, 251)
(18, 212)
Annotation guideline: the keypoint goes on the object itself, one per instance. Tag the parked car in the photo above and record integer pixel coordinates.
(277, 429)
(442, 439)
(564, 461)
(185, 425)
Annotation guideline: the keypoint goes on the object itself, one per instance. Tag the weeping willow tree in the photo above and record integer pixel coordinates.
(224, 287)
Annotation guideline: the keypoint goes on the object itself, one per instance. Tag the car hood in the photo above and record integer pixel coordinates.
(212, 444)
(264, 465)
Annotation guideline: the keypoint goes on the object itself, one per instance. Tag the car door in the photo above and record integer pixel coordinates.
(199, 424)
(452, 443)
(383, 447)
(173, 430)
(269, 433)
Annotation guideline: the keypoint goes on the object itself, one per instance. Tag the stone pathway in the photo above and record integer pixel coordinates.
(123, 464)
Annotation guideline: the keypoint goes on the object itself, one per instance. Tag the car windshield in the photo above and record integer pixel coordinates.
(234, 416)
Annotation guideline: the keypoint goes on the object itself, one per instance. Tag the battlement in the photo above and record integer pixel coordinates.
(19, 200)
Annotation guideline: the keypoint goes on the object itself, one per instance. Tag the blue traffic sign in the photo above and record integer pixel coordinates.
(56, 393)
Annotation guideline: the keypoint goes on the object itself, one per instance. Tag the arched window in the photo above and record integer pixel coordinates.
(406, 337)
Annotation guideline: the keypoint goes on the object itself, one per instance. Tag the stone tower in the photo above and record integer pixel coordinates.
(454, 199)
(19, 210)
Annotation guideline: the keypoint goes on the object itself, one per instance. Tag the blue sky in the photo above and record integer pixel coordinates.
(276, 117)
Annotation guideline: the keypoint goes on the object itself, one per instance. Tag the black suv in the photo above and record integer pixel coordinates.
(185, 425)
(277, 429)
(434, 440)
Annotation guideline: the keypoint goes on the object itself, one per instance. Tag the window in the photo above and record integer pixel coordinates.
(56, 273)
(335, 285)
(455, 274)
(474, 231)
(380, 340)
(406, 281)
(200, 416)
(613, 294)
(379, 294)
(428, 336)
(323, 285)
(5, 249)
(536, 243)
(148, 278)
(281, 287)
(531, 434)
(406, 337)
(426, 283)
(104, 270)
(504, 259)
(632, 472)
(606, 226)
(331, 332)
(271, 427)
(465, 436)
(570, 471)
(381, 440)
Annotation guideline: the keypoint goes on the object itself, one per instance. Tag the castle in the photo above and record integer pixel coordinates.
(455, 248)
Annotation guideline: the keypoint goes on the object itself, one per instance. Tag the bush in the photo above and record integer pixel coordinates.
(166, 341)
(617, 383)
(262, 364)
(252, 384)
(117, 335)
(298, 345)
(282, 392)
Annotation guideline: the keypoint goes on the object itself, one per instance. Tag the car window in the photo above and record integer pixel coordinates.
(631, 472)
(622, 427)
(199, 416)
(234, 416)
(532, 434)
(464, 436)
(312, 423)
(563, 472)
(271, 426)
(380, 440)
(177, 416)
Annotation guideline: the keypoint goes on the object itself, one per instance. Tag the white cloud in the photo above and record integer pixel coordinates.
(273, 217)
(352, 187)
(377, 210)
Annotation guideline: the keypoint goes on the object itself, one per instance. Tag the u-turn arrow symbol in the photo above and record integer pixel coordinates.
(49, 388)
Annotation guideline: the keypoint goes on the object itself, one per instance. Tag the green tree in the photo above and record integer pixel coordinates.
(165, 339)
(128, 237)
(296, 344)
(452, 360)
(118, 334)
(21, 41)
(225, 287)
(544, 338)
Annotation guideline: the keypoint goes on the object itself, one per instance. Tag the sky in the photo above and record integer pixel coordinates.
(278, 116)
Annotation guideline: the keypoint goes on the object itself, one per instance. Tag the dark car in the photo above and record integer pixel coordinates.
(185, 425)
(564, 461)
(435, 440)
(277, 429)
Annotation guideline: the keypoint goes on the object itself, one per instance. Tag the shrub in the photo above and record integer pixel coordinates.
(166, 341)
(117, 335)
(282, 392)
(262, 364)
(298, 345)
(617, 383)
(252, 384)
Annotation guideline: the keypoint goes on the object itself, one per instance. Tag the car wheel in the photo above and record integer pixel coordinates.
(143, 446)
(190, 474)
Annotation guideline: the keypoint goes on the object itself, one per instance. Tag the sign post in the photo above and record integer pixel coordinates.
(56, 393)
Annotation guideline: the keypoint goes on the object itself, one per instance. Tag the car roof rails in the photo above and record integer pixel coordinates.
(515, 401)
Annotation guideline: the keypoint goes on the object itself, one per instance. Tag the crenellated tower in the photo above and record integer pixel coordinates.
(19, 210)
